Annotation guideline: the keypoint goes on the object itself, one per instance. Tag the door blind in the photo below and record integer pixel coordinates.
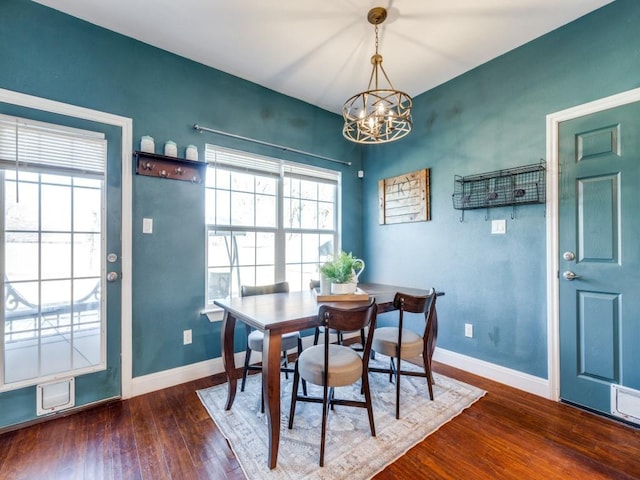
(27, 143)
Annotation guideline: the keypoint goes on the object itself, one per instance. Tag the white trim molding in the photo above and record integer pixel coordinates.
(553, 269)
(126, 126)
(176, 376)
(512, 378)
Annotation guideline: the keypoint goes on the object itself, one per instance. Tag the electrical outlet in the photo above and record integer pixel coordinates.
(147, 225)
(186, 337)
(468, 330)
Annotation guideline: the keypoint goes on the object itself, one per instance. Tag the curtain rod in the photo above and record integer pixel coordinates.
(274, 145)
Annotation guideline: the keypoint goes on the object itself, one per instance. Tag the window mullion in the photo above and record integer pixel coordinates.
(40, 316)
(280, 240)
(2, 269)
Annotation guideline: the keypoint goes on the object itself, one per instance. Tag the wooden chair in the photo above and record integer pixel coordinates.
(320, 329)
(399, 342)
(255, 338)
(332, 365)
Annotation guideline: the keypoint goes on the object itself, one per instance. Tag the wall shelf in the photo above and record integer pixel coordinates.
(155, 165)
(501, 188)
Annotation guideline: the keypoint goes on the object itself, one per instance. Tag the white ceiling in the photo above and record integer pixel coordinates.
(319, 51)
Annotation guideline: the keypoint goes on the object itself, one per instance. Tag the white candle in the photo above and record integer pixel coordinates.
(147, 144)
(171, 149)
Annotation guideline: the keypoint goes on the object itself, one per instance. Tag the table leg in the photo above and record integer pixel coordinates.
(228, 359)
(271, 352)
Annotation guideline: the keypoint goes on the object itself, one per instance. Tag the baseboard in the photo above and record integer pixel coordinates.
(513, 378)
(176, 376)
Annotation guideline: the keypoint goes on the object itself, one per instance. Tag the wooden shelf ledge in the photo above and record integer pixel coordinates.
(174, 168)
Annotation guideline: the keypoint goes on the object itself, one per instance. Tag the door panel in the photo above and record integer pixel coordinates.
(599, 200)
(598, 229)
(598, 340)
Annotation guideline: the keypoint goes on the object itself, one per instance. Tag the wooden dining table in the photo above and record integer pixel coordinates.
(276, 314)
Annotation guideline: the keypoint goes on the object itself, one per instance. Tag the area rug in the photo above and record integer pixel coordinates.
(351, 452)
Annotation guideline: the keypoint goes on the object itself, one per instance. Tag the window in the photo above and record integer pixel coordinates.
(51, 218)
(268, 220)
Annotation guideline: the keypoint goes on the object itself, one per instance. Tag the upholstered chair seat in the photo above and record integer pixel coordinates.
(346, 365)
(256, 339)
(385, 341)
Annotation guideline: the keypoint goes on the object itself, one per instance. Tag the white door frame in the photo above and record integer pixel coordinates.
(553, 267)
(126, 126)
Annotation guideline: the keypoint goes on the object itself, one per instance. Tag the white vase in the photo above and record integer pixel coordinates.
(343, 288)
(325, 285)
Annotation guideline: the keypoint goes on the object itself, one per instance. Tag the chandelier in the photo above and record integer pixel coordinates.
(381, 113)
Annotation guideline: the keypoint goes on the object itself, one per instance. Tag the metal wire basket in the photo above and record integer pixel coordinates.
(513, 186)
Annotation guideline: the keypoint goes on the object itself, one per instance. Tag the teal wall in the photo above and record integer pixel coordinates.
(491, 118)
(48, 54)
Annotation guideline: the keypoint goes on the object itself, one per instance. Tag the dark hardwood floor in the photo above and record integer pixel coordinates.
(508, 434)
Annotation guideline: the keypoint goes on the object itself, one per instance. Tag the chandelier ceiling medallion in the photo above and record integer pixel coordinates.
(381, 113)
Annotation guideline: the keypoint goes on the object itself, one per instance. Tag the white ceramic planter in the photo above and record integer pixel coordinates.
(343, 288)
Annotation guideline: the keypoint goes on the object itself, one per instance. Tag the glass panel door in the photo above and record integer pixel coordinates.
(60, 236)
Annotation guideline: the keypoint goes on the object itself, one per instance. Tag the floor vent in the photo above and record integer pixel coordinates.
(625, 403)
(57, 395)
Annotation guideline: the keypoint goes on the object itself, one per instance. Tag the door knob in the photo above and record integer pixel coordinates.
(569, 275)
(112, 276)
(569, 256)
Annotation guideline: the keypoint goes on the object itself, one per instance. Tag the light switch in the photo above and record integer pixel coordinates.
(468, 330)
(498, 227)
(147, 225)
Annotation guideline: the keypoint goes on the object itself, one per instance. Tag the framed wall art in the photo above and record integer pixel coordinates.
(405, 198)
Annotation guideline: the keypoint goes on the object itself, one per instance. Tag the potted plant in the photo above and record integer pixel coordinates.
(343, 271)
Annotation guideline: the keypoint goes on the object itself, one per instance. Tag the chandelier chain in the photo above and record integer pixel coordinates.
(376, 39)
